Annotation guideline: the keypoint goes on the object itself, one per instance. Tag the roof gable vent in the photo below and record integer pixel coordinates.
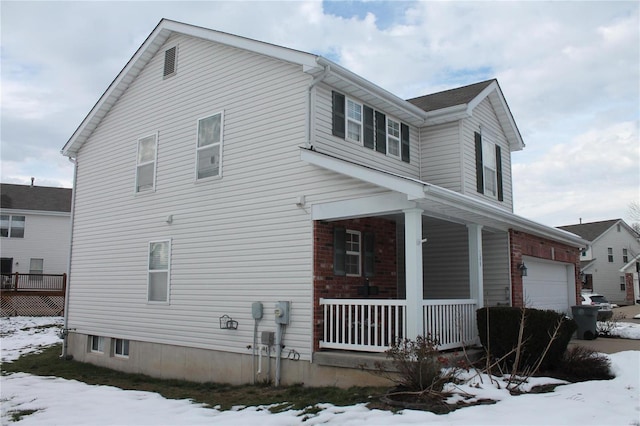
(170, 61)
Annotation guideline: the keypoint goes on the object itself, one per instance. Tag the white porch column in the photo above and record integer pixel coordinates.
(476, 280)
(413, 269)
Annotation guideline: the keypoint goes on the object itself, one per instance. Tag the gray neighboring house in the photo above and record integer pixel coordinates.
(614, 245)
(35, 225)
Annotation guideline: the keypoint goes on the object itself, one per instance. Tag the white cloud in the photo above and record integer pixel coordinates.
(566, 68)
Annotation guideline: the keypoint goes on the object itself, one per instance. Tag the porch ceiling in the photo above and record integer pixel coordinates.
(405, 193)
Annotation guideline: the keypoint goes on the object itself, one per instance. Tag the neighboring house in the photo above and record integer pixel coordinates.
(234, 197)
(35, 225)
(613, 245)
(631, 273)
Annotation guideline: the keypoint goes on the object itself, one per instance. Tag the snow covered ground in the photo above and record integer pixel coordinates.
(67, 402)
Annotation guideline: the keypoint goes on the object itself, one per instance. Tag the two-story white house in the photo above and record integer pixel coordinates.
(614, 244)
(35, 224)
(238, 202)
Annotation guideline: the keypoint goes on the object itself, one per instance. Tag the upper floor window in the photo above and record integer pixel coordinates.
(12, 226)
(170, 61)
(158, 272)
(354, 120)
(625, 256)
(488, 167)
(360, 123)
(146, 164)
(393, 138)
(209, 147)
(610, 254)
(623, 284)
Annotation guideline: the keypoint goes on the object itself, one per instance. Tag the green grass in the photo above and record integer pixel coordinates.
(219, 395)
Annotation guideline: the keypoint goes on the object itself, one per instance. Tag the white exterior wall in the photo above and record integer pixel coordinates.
(606, 275)
(325, 142)
(495, 261)
(484, 115)
(235, 240)
(440, 150)
(46, 236)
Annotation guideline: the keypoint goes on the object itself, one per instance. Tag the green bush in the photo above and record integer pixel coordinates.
(499, 328)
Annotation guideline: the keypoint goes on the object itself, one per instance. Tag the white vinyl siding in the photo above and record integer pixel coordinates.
(496, 268)
(484, 116)
(146, 164)
(325, 142)
(440, 150)
(233, 243)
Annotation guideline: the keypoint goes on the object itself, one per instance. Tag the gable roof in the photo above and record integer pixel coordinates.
(458, 103)
(590, 231)
(447, 106)
(40, 198)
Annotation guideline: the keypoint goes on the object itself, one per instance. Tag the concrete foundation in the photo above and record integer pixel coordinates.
(203, 365)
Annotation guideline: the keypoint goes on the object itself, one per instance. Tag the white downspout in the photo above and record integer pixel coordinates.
(65, 327)
(310, 109)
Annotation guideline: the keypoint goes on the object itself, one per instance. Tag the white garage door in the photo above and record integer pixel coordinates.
(548, 285)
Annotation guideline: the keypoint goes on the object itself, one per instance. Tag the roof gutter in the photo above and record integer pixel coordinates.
(310, 106)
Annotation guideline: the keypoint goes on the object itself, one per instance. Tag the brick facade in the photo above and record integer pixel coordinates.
(522, 244)
(327, 285)
(628, 278)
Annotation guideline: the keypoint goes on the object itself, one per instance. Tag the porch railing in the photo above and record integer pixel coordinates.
(372, 325)
(451, 321)
(18, 282)
(369, 325)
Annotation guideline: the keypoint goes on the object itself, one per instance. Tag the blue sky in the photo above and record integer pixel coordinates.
(570, 72)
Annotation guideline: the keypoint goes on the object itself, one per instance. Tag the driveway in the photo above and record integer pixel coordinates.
(609, 345)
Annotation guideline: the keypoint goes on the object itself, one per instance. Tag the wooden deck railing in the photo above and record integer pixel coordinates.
(372, 325)
(50, 283)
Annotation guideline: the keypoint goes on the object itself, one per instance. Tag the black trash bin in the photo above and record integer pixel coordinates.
(586, 316)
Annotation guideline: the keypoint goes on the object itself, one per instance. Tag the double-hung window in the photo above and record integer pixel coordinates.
(159, 271)
(623, 284)
(209, 147)
(625, 256)
(489, 168)
(353, 251)
(12, 226)
(354, 121)
(393, 138)
(610, 254)
(146, 165)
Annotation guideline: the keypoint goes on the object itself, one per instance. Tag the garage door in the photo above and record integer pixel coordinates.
(548, 285)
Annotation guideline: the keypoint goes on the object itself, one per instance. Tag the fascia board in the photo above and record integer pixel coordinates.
(35, 212)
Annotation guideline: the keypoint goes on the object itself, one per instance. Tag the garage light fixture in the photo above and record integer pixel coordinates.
(523, 269)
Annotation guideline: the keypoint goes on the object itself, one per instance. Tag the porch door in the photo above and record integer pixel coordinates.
(6, 269)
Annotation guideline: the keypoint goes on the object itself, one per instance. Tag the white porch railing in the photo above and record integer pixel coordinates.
(451, 321)
(372, 325)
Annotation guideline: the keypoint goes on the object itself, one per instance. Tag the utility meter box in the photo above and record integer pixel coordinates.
(256, 310)
(282, 312)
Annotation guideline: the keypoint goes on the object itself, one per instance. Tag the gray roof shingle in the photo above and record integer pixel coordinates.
(42, 198)
(590, 231)
(448, 98)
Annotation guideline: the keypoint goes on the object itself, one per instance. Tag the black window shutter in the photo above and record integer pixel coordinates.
(369, 140)
(381, 132)
(369, 254)
(479, 168)
(404, 137)
(339, 251)
(338, 114)
(499, 173)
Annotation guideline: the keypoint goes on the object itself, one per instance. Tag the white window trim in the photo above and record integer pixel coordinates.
(398, 139)
(168, 271)
(354, 253)
(100, 349)
(155, 163)
(11, 227)
(220, 144)
(115, 347)
(347, 120)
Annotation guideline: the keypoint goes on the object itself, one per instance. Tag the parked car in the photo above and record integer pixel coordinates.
(604, 307)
